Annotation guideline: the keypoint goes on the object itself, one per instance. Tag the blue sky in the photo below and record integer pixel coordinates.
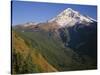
(23, 12)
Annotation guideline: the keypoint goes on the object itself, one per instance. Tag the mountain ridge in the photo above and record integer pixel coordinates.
(69, 17)
(65, 47)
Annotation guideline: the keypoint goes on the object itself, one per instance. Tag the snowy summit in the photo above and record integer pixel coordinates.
(69, 17)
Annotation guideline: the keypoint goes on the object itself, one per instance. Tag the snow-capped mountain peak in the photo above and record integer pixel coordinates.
(70, 17)
(69, 11)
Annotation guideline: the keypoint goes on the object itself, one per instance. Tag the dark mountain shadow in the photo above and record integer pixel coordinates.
(82, 39)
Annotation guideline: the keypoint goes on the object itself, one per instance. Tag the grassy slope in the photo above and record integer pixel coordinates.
(50, 50)
(53, 50)
(27, 59)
